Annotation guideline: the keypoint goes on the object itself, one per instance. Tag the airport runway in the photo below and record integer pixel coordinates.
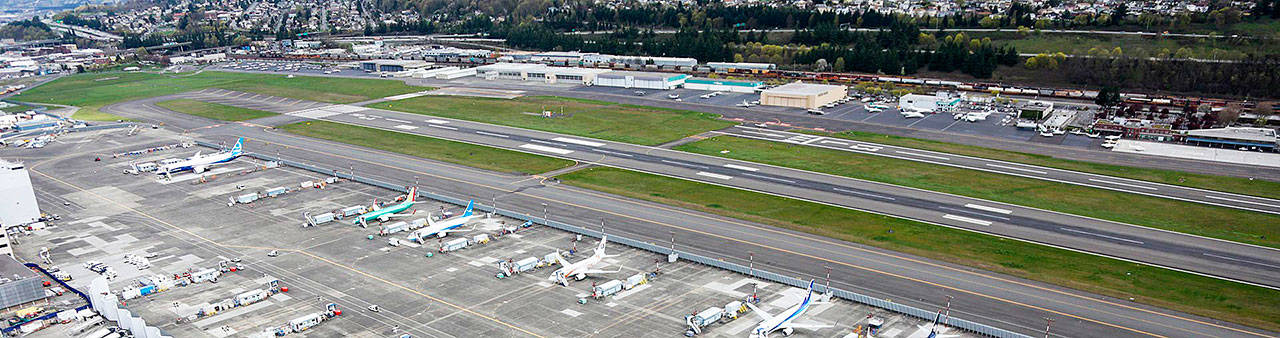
(1206, 256)
(1001, 300)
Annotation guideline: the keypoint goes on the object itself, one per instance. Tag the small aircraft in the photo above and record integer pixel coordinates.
(744, 104)
(912, 114)
(200, 163)
(385, 214)
(444, 227)
(977, 116)
(579, 270)
(785, 321)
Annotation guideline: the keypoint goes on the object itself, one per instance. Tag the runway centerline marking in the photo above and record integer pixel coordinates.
(1242, 260)
(1122, 184)
(491, 134)
(442, 127)
(686, 164)
(435, 121)
(769, 178)
(612, 152)
(1239, 201)
(1016, 168)
(967, 220)
(923, 155)
(1101, 235)
(863, 194)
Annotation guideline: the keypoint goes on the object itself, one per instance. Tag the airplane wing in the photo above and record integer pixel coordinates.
(807, 326)
(759, 313)
(598, 271)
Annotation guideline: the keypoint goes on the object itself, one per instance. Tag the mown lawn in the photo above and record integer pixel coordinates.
(213, 110)
(91, 91)
(1237, 185)
(1240, 303)
(589, 118)
(482, 157)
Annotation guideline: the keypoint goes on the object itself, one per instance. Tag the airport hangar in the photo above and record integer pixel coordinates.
(802, 95)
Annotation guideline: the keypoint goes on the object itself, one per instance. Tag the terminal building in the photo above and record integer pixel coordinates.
(641, 80)
(539, 72)
(802, 95)
(393, 65)
(723, 85)
(1233, 137)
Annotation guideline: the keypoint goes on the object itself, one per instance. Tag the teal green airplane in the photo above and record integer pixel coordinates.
(384, 214)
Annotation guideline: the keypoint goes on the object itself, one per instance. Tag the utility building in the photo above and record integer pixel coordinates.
(642, 80)
(18, 205)
(802, 95)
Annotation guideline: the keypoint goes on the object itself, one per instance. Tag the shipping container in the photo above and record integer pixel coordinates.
(526, 264)
(354, 210)
(246, 198)
(322, 218)
(393, 228)
(709, 316)
(277, 191)
(607, 289)
(454, 245)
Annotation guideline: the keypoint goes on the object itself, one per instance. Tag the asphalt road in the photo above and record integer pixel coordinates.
(1000, 300)
(1212, 257)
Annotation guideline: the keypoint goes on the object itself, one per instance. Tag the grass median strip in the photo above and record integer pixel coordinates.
(213, 110)
(1180, 291)
(589, 118)
(1193, 218)
(431, 148)
(1236, 185)
(92, 91)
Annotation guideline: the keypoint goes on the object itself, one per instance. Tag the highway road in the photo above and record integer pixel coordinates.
(1002, 301)
(1211, 257)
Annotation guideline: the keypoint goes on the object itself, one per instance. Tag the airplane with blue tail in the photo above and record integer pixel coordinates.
(199, 163)
(786, 321)
(444, 227)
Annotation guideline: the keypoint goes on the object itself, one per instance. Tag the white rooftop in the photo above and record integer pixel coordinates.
(798, 88)
(1237, 133)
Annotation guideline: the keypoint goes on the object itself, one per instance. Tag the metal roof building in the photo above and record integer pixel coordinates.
(392, 65)
(538, 72)
(723, 85)
(802, 95)
(1232, 137)
(18, 285)
(644, 80)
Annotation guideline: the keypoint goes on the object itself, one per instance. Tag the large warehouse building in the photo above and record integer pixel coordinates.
(723, 85)
(19, 203)
(642, 80)
(392, 65)
(539, 72)
(802, 95)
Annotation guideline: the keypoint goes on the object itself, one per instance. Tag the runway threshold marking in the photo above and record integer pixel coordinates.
(303, 252)
(1103, 236)
(967, 219)
(909, 259)
(579, 142)
(714, 175)
(1239, 201)
(1016, 168)
(1123, 184)
(987, 208)
(552, 150)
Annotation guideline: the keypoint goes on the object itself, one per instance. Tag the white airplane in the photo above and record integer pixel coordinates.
(785, 321)
(933, 328)
(912, 114)
(874, 108)
(444, 227)
(975, 117)
(579, 270)
(200, 163)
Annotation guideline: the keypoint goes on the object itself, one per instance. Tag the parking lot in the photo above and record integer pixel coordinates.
(189, 223)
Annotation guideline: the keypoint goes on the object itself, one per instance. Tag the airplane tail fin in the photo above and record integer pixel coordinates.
(470, 205)
(603, 240)
(237, 149)
(809, 296)
(413, 194)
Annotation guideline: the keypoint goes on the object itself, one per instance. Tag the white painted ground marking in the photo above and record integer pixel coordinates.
(1241, 260)
(1238, 201)
(686, 164)
(987, 208)
(546, 149)
(765, 134)
(435, 121)
(398, 121)
(714, 175)
(769, 178)
(966, 219)
(491, 134)
(923, 155)
(735, 166)
(1015, 168)
(811, 140)
(864, 194)
(1101, 235)
(624, 294)
(405, 127)
(973, 213)
(577, 141)
(442, 127)
(612, 152)
(834, 142)
(571, 313)
(1123, 184)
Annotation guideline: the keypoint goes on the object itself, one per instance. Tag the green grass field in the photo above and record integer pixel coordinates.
(1218, 222)
(1186, 292)
(1079, 44)
(16, 108)
(91, 91)
(431, 148)
(1237, 185)
(213, 110)
(596, 119)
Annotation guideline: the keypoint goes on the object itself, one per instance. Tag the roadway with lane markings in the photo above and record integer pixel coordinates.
(1008, 302)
